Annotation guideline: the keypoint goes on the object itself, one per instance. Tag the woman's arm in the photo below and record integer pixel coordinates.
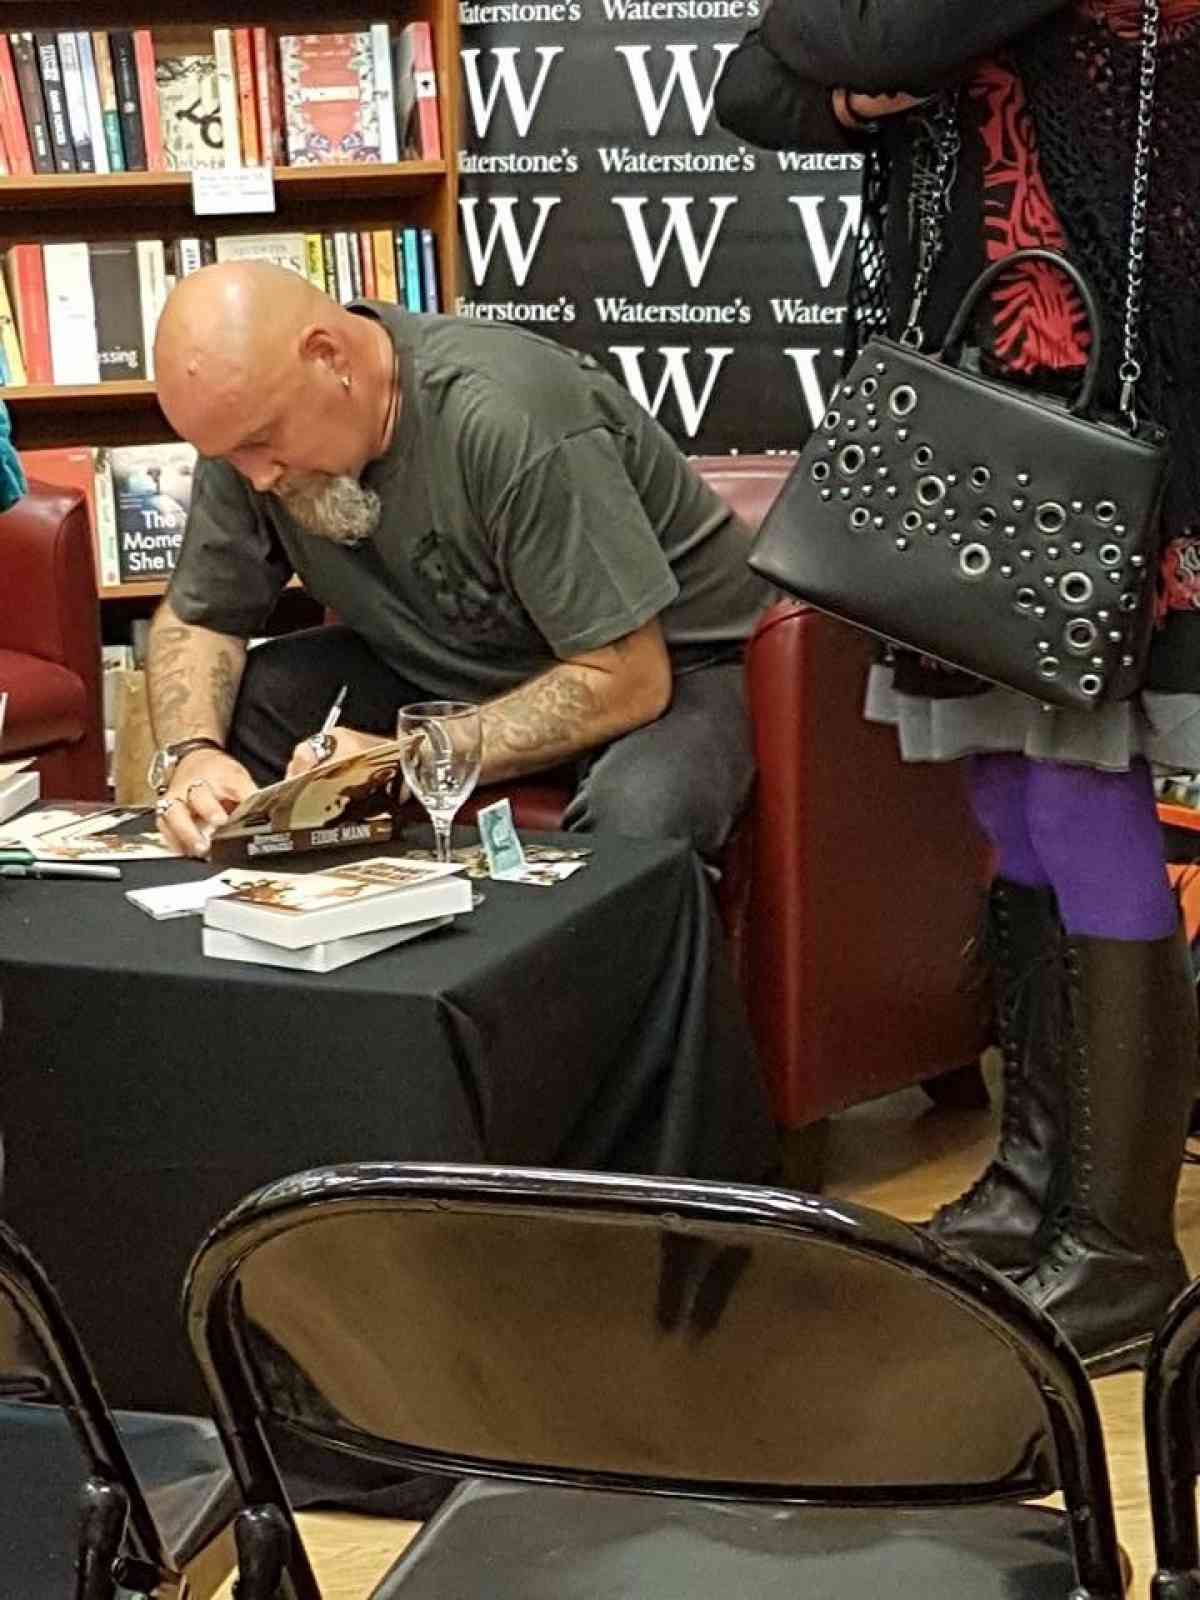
(883, 45)
(762, 101)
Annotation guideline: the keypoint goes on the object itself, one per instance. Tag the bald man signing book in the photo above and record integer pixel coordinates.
(492, 517)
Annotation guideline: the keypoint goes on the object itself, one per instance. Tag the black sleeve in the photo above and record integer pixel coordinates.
(884, 46)
(763, 101)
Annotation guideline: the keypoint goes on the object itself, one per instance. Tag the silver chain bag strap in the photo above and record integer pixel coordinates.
(986, 525)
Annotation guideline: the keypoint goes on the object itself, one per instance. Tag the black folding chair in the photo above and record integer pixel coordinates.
(1172, 1415)
(669, 1390)
(127, 1498)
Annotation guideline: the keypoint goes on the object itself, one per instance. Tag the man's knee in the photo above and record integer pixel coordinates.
(645, 802)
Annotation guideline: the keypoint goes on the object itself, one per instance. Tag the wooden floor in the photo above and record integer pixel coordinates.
(903, 1157)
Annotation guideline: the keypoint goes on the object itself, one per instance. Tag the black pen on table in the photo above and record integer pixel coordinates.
(321, 742)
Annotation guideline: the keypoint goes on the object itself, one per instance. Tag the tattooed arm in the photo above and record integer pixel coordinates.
(579, 704)
(193, 677)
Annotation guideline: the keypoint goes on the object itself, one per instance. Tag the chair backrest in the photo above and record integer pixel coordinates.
(1172, 1417)
(44, 1368)
(748, 484)
(657, 1336)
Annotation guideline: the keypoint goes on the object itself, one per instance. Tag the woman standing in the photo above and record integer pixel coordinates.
(1030, 108)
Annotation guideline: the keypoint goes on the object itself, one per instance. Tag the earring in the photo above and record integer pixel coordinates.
(346, 384)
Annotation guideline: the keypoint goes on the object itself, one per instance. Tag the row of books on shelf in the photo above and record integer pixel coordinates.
(96, 102)
(87, 313)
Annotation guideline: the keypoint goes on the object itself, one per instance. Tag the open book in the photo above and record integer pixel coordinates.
(352, 800)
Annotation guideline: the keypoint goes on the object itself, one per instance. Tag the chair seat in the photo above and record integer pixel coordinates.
(46, 703)
(500, 1541)
(179, 1461)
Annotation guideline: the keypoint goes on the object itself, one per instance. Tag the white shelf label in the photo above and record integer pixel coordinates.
(222, 192)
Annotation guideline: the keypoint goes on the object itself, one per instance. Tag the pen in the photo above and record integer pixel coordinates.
(321, 742)
(58, 869)
(335, 711)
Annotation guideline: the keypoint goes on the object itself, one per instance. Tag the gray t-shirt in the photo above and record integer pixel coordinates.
(531, 511)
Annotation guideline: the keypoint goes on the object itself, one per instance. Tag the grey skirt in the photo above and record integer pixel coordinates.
(1164, 728)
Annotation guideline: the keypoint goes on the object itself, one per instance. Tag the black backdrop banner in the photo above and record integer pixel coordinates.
(603, 206)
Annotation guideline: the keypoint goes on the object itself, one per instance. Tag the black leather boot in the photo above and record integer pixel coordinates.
(1003, 1217)
(1113, 1267)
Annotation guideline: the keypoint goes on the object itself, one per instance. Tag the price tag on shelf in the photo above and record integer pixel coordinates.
(232, 191)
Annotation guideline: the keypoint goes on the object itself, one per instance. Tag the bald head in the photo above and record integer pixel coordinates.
(254, 364)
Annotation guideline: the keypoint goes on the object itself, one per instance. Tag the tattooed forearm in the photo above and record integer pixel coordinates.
(552, 716)
(225, 677)
(193, 676)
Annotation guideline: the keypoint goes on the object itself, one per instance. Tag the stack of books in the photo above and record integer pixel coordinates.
(319, 921)
(87, 313)
(102, 102)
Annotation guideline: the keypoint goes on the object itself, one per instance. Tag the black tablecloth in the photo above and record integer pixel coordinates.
(145, 1089)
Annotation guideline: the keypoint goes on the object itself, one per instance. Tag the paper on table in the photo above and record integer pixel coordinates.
(186, 899)
(76, 833)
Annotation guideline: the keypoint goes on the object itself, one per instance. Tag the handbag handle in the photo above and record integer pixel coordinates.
(952, 348)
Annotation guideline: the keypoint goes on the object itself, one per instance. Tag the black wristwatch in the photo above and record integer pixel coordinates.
(164, 761)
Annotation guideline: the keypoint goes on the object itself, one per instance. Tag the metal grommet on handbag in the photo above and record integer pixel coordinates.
(1050, 518)
(1075, 588)
(1105, 511)
(931, 490)
(1080, 635)
(1091, 683)
(902, 401)
(1109, 555)
(1025, 598)
(851, 459)
(974, 560)
(820, 472)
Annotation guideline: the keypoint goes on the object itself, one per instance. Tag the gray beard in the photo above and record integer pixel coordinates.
(336, 508)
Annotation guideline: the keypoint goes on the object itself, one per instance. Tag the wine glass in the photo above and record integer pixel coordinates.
(441, 745)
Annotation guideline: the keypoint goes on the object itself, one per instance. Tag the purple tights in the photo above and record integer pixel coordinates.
(1092, 836)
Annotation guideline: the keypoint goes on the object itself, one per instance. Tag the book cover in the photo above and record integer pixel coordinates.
(413, 293)
(71, 309)
(385, 98)
(12, 118)
(78, 127)
(91, 97)
(329, 98)
(344, 801)
(398, 256)
(297, 909)
(415, 87)
(120, 331)
(366, 256)
(270, 97)
(354, 256)
(280, 249)
(5, 170)
(189, 105)
(227, 95)
(109, 108)
(384, 252)
(27, 296)
(15, 375)
(345, 282)
(326, 956)
(50, 72)
(129, 106)
(68, 468)
(152, 494)
(429, 270)
(314, 260)
(108, 555)
(147, 88)
(329, 251)
(243, 60)
(152, 292)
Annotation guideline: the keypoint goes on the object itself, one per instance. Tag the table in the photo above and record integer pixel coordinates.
(145, 1089)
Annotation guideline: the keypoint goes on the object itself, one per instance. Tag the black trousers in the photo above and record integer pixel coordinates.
(685, 776)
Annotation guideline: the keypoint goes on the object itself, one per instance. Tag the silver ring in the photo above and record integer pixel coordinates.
(196, 783)
(321, 745)
(161, 807)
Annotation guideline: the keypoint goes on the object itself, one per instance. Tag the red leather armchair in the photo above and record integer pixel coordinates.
(50, 643)
(853, 885)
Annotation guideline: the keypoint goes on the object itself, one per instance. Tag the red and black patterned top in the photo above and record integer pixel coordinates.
(1038, 323)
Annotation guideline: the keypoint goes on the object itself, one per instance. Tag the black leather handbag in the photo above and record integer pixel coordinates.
(989, 526)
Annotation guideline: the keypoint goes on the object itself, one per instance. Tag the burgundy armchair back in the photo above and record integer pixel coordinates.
(50, 643)
(852, 887)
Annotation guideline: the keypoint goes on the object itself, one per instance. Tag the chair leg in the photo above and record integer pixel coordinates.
(263, 1545)
(960, 1089)
(103, 1511)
